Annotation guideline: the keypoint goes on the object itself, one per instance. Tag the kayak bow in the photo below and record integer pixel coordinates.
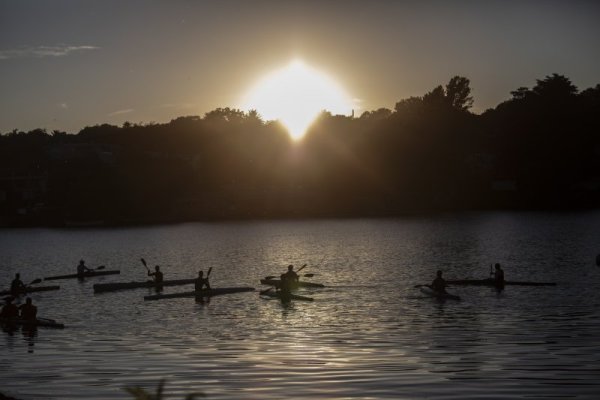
(201, 293)
(277, 283)
(87, 274)
(31, 290)
(111, 287)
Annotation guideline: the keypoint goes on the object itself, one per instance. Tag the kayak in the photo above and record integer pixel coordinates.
(277, 282)
(201, 293)
(491, 282)
(288, 297)
(88, 274)
(45, 322)
(439, 295)
(111, 287)
(32, 289)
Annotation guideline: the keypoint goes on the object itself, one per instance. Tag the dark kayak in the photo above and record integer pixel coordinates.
(88, 274)
(32, 289)
(491, 282)
(202, 293)
(45, 322)
(111, 287)
(277, 282)
(285, 297)
(438, 295)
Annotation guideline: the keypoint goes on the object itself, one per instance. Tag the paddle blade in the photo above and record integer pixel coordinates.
(270, 277)
(144, 262)
(309, 275)
(302, 267)
(100, 267)
(266, 290)
(38, 280)
(208, 273)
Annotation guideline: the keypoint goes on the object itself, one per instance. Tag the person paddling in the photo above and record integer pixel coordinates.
(158, 276)
(9, 310)
(289, 281)
(28, 310)
(439, 284)
(17, 286)
(201, 282)
(498, 276)
(290, 277)
(82, 269)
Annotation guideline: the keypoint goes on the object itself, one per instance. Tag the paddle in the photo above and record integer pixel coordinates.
(145, 265)
(100, 267)
(273, 277)
(598, 260)
(208, 273)
(38, 280)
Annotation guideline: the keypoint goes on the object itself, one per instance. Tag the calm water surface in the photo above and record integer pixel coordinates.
(369, 334)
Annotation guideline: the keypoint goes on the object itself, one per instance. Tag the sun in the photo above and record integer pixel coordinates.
(295, 95)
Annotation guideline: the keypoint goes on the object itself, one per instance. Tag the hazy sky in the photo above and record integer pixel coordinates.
(68, 64)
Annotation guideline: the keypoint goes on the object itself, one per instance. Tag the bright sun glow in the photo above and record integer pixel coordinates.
(295, 95)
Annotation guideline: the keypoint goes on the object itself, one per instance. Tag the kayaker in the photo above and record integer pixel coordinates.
(17, 286)
(498, 276)
(82, 269)
(201, 282)
(285, 288)
(9, 310)
(291, 276)
(28, 310)
(289, 281)
(158, 276)
(439, 284)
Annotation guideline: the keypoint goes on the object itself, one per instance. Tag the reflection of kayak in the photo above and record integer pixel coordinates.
(491, 282)
(202, 293)
(32, 289)
(439, 295)
(286, 297)
(277, 282)
(45, 322)
(111, 287)
(88, 274)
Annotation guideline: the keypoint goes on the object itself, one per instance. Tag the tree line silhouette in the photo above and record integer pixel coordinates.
(540, 149)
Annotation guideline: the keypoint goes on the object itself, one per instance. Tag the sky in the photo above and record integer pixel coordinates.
(69, 64)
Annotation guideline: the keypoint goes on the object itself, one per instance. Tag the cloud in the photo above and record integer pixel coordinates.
(43, 51)
(119, 112)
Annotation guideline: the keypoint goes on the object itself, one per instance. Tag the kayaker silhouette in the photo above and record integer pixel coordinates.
(28, 310)
(499, 276)
(9, 310)
(201, 282)
(82, 269)
(439, 284)
(17, 286)
(158, 276)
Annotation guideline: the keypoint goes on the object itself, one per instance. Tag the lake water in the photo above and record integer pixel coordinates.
(370, 334)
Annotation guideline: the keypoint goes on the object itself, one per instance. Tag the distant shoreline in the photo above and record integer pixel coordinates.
(100, 224)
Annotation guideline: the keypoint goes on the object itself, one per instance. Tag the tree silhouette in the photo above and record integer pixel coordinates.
(458, 93)
(427, 154)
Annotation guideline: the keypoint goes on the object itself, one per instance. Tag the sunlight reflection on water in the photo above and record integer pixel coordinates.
(369, 334)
